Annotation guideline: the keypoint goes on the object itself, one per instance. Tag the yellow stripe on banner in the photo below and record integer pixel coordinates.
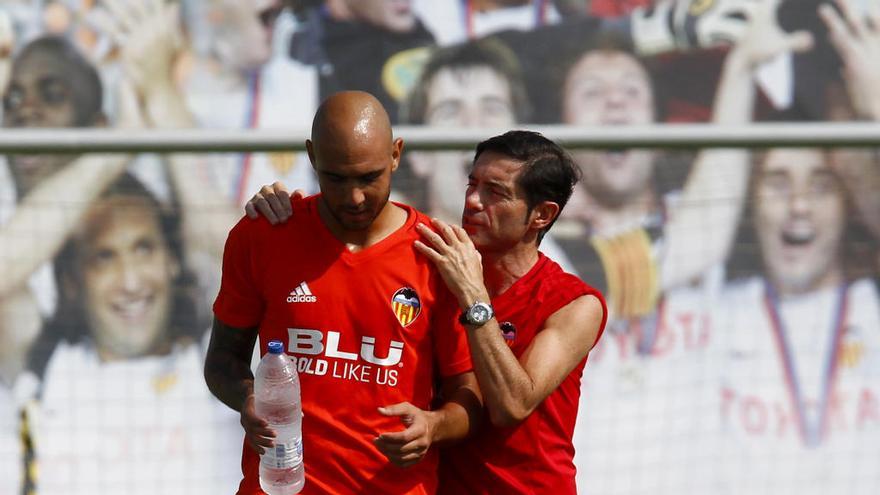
(631, 271)
(628, 269)
(606, 257)
(633, 279)
(651, 272)
(642, 262)
(617, 266)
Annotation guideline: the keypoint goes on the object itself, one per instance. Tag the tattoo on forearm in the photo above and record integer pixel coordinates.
(227, 364)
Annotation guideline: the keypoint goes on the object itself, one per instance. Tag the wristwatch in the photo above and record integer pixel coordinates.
(477, 315)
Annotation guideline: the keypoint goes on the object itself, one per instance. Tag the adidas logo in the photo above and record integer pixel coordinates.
(301, 294)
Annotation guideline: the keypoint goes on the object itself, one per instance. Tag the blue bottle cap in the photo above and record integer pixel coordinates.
(276, 347)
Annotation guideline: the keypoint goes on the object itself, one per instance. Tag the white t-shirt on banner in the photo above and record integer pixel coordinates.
(646, 405)
(139, 426)
(799, 390)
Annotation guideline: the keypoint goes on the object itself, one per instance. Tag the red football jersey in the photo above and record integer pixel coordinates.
(537, 455)
(366, 329)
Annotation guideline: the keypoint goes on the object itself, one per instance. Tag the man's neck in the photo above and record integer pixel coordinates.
(502, 269)
(391, 218)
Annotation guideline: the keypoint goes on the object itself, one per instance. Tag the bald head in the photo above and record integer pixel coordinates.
(354, 155)
(350, 119)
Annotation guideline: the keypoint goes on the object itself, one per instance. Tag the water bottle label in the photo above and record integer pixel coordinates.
(283, 455)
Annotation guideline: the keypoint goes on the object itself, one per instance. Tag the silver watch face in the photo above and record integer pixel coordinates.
(480, 313)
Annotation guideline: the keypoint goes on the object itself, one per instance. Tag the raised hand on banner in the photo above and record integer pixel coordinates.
(763, 39)
(130, 113)
(688, 24)
(856, 37)
(149, 36)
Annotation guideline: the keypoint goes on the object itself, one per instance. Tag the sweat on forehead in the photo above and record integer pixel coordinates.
(351, 115)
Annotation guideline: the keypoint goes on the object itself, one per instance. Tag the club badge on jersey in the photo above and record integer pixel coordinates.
(406, 305)
(508, 331)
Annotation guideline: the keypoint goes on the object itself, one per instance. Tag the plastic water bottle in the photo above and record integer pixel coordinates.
(277, 400)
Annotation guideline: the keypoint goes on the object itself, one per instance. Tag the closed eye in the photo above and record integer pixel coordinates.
(370, 178)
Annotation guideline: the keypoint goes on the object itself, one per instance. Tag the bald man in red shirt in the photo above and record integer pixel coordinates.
(366, 319)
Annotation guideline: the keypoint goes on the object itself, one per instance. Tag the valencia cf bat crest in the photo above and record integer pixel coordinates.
(508, 331)
(406, 305)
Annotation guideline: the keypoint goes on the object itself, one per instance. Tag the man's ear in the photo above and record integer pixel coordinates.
(543, 214)
(396, 151)
(310, 149)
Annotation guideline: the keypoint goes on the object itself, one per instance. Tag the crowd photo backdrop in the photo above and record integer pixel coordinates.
(742, 352)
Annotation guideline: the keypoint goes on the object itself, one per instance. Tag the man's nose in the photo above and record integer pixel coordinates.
(356, 195)
(472, 200)
(130, 278)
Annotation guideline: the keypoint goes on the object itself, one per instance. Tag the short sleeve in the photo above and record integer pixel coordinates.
(565, 289)
(239, 303)
(451, 348)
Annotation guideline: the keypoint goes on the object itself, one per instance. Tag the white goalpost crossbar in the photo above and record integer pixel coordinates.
(661, 136)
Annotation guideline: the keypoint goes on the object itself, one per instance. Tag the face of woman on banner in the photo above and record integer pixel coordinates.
(606, 88)
(128, 272)
(800, 217)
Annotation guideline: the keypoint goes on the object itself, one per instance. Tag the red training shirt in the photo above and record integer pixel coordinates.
(536, 456)
(366, 329)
